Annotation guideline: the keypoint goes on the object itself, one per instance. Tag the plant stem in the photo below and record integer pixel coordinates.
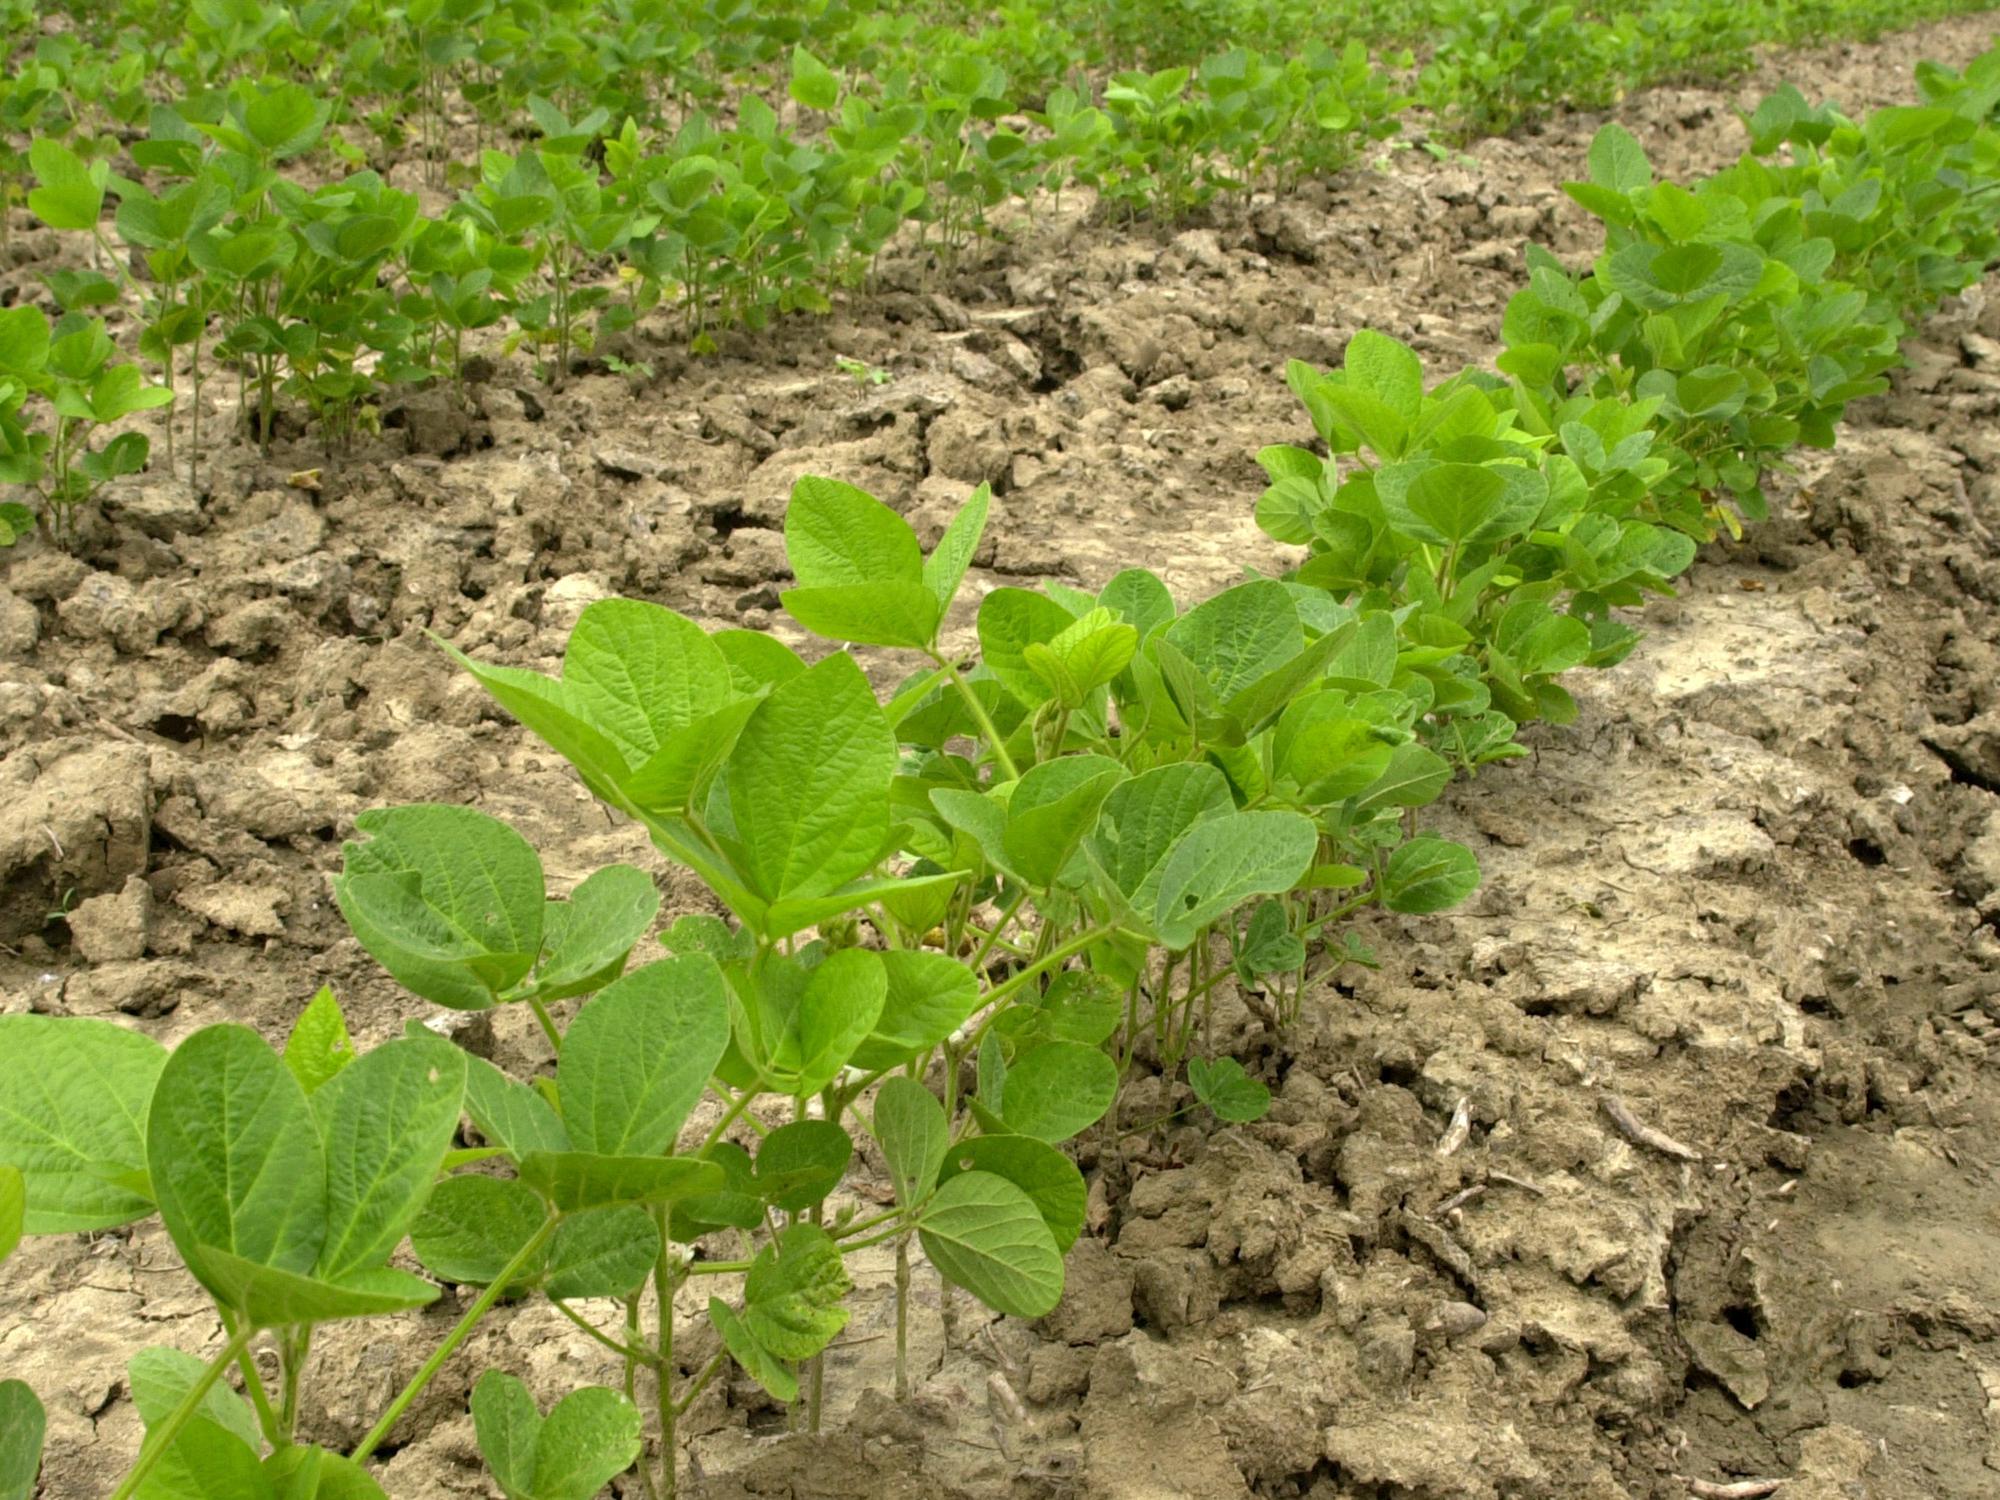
(903, 1318)
(629, 1352)
(664, 1282)
(268, 1421)
(699, 1383)
(548, 1023)
(162, 1437)
(980, 717)
(523, 1258)
(1054, 959)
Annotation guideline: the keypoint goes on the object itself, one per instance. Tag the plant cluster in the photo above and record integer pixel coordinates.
(964, 911)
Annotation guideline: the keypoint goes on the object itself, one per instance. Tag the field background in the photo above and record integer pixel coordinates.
(1751, 889)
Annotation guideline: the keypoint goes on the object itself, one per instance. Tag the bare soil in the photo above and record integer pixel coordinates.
(1745, 903)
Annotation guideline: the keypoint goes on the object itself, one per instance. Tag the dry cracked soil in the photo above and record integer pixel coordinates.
(1746, 902)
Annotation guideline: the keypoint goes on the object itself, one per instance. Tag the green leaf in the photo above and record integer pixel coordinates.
(1428, 875)
(387, 1122)
(576, 1180)
(207, 1461)
(1058, 1090)
(508, 1425)
(772, 1373)
(638, 1056)
(509, 1113)
(843, 999)
(836, 534)
(602, 1252)
(271, 1298)
(319, 1046)
(1049, 1178)
(13, 1210)
(312, 1473)
(1415, 776)
(1223, 862)
(286, 120)
(808, 783)
(1386, 369)
(74, 1095)
(814, 84)
(236, 1157)
(22, 1425)
(910, 1126)
(159, 1379)
(1144, 818)
(588, 1439)
(1053, 806)
(71, 192)
(24, 340)
(792, 1298)
(1618, 161)
(984, 1234)
(800, 1163)
(472, 1226)
(588, 937)
(1230, 1094)
(1010, 620)
(945, 568)
(447, 899)
(1240, 635)
(871, 614)
(640, 674)
(929, 996)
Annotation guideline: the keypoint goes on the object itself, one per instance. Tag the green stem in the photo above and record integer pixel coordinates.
(626, 1351)
(664, 1282)
(735, 1113)
(161, 1438)
(700, 1382)
(981, 718)
(268, 1421)
(548, 1023)
(1054, 959)
(1006, 921)
(903, 1318)
(523, 1258)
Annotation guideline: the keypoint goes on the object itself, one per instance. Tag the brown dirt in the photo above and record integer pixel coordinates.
(1750, 893)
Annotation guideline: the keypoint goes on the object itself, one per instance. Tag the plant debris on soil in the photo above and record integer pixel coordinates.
(1670, 1166)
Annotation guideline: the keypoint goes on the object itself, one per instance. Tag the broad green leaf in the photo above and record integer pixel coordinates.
(74, 1095)
(783, 918)
(13, 1210)
(271, 1298)
(984, 1234)
(814, 84)
(843, 1000)
(869, 614)
(640, 673)
(836, 534)
(236, 1158)
(1058, 1090)
(70, 194)
(1145, 817)
(1010, 620)
(930, 995)
(159, 1379)
(1144, 602)
(588, 936)
(588, 1439)
(1386, 369)
(1415, 776)
(793, 1296)
(1428, 875)
(757, 661)
(447, 899)
(22, 1425)
(602, 1252)
(387, 1122)
(576, 1180)
(1221, 863)
(207, 1461)
(1240, 635)
(472, 1227)
(312, 1473)
(286, 120)
(762, 1366)
(945, 568)
(1052, 808)
(1049, 1178)
(1618, 161)
(800, 1163)
(24, 340)
(319, 1046)
(638, 1056)
(510, 1114)
(808, 783)
(544, 705)
(508, 1425)
(735, 1205)
(1230, 1094)
(910, 1127)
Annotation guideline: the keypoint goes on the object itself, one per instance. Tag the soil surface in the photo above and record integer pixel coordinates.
(1722, 1023)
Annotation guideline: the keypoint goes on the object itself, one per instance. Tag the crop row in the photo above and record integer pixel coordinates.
(701, 161)
(964, 914)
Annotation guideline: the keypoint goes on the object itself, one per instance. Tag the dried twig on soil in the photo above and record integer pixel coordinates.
(1456, 1132)
(1520, 1182)
(1639, 1133)
(1457, 1201)
(1742, 1489)
(1446, 1250)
